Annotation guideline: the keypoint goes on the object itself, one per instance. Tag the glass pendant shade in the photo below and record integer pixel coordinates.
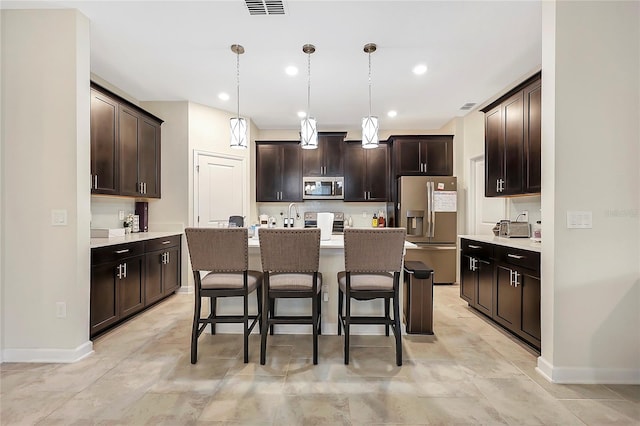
(308, 133)
(370, 132)
(238, 132)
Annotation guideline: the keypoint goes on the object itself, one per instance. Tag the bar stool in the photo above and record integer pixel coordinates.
(290, 261)
(373, 263)
(224, 254)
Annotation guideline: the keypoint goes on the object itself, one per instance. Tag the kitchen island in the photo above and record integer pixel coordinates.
(331, 262)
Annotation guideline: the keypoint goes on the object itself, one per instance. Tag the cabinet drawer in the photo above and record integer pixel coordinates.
(477, 249)
(116, 252)
(523, 258)
(162, 243)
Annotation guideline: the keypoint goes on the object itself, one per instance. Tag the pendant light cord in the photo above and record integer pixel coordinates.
(308, 85)
(238, 84)
(369, 84)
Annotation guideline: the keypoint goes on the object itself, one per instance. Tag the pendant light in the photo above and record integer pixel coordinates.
(308, 128)
(370, 123)
(237, 124)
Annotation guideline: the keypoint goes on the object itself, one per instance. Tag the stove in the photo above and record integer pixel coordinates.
(311, 221)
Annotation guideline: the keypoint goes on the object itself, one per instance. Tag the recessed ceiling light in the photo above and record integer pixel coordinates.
(302, 114)
(223, 96)
(392, 113)
(420, 69)
(291, 70)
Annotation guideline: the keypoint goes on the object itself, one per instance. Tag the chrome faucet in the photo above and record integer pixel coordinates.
(289, 220)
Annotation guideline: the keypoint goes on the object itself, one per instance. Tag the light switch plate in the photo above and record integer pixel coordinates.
(58, 217)
(579, 219)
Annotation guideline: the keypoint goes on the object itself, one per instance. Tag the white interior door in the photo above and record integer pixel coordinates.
(221, 189)
(484, 212)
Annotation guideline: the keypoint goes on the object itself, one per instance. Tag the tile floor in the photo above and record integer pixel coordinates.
(469, 372)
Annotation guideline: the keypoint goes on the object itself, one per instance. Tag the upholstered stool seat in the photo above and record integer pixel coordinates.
(363, 281)
(229, 281)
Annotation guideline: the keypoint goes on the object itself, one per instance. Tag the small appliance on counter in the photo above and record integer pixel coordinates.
(510, 229)
(325, 223)
(311, 221)
(142, 211)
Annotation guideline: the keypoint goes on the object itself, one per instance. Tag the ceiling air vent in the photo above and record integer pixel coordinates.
(265, 7)
(467, 106)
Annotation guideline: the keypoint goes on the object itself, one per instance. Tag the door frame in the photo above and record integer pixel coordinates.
(197, 154)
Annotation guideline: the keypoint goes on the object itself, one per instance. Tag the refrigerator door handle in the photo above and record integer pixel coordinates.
(428, 218)
(432, 218)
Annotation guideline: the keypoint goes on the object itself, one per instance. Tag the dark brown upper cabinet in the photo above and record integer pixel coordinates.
(429, 155)
(104, 144)
(513, 141)
(125, 147)
(327, 159)
(366, 172)
(278, 171)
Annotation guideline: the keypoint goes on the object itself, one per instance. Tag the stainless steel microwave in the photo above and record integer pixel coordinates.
(323, 188)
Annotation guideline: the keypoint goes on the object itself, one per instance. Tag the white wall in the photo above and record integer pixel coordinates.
(45, 134)
(590, 148)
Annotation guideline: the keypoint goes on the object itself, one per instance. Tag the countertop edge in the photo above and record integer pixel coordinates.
(131, 238)
(518, 243)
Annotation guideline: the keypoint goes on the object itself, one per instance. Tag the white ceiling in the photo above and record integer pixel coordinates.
(163, 50)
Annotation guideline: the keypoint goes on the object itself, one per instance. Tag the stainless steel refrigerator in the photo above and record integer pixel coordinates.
(427, 209)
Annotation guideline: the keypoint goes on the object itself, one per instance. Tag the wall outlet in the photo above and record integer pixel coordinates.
(61, 310)
(364, 214)
(121, 215)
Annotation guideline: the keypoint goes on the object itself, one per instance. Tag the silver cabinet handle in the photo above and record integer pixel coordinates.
(511, 277)
(474, 246)
(166, 242)
(119, 272)
(121, 251)
(497, 185)
(515, 278)
(125, 269)
(145, 187)
(96, 179)
(515, 256)
(167, 259)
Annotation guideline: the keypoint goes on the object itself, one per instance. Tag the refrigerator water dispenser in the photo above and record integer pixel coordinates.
(415, 221)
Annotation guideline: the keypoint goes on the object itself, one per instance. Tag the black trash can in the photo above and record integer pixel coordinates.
(418, 298)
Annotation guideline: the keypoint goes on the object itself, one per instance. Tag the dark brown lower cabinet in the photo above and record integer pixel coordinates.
(504, 284)
(125, 278)
(163, 268)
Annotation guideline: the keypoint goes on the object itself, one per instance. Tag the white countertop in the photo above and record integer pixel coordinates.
(519, 243)
(336, 242)
(130, 238)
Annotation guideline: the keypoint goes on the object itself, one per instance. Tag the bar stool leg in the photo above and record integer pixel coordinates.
(387, 302)
(340, 318)
(212, 313)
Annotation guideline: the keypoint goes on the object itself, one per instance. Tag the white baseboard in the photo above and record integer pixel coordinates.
(48, 355)
(586, 375)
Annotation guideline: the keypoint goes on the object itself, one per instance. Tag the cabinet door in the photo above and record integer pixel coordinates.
(484, 293)
(530, 284)
(149, 156)
(354, 176)
(128, 152)
(513, 142)
(291, 172)
(377, 173)
(333, 155)
(153, 289)
(532, 137)
(104, 297)
(508, 298)
(268, 174)
(407, 153)
(171, 271)
(437, 154)
(467, 280)
(494, 151)
(104, 146)
(132, 286)
(312, 161)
